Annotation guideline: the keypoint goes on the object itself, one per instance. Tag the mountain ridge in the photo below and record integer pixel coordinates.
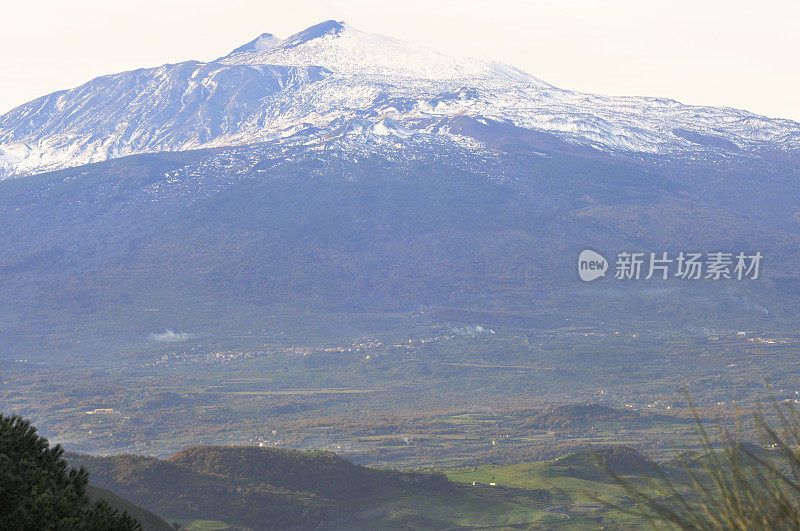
(331, 76)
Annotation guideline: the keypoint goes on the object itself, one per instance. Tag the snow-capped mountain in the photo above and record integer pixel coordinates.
(332, 80)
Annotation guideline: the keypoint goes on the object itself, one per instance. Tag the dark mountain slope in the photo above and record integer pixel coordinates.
(262, 488)
(176, 492)
(149, 521)
(201, 234)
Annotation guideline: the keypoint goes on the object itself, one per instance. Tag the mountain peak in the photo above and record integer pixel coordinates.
(263, 42)
(329, 27)
(339, 47)
(267, 42)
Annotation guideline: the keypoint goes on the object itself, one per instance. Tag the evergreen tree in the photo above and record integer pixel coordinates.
(39, 491)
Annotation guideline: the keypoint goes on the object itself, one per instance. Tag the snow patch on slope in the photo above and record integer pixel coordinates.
(341, 48)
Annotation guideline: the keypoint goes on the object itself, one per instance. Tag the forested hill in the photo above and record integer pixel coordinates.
(253, 487)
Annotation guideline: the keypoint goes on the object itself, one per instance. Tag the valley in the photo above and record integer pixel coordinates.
(469, 395)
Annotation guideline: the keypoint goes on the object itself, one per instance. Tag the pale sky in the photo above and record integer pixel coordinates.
(733, 53)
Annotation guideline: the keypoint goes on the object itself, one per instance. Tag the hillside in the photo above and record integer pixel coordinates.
(179, 493)
(223, 486)
(149, 521)
(262, 488)
(573, 482)
(321, 473)
(577, 415)
(216, 240)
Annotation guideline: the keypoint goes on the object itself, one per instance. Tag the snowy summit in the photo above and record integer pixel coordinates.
(321, 79)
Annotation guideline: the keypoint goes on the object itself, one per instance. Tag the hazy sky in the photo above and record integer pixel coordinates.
(730, 53)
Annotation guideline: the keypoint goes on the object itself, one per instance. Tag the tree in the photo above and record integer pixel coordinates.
(733, 485)
(39, 491)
